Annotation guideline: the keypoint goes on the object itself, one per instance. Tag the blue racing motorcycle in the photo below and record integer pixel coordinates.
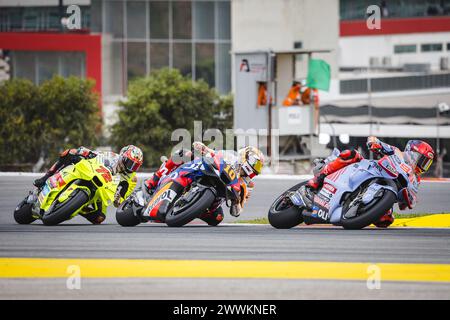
(187, 193)
(353, 197)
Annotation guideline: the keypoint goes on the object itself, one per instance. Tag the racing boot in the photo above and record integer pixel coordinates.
(41, 181)
(386, 220)
(94, 217)
(321, 170)
(66, 157)
(213, 217)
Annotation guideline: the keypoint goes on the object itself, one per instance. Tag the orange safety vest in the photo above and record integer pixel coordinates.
(306, 96)
(262, 94)
(293, 97)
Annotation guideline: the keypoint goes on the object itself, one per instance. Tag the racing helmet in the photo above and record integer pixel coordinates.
(419, 155)
(251, 161)
(131, 157)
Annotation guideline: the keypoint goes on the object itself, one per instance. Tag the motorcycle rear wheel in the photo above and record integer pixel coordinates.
(285, 218)
(187, 213)
(62, 211)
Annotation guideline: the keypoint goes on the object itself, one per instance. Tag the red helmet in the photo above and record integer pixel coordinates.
(419, 155)
(131, 158)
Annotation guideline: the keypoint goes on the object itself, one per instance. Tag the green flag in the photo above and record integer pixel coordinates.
(318, 75)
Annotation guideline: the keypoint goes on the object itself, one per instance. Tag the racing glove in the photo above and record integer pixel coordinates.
(201, 147)
(373, 144)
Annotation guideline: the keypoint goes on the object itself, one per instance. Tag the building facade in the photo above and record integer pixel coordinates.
(119, 40)
(384, 81)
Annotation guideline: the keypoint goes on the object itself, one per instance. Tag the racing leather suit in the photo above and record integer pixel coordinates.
(111, 161)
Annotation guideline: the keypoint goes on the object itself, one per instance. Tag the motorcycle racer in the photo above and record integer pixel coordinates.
(247, 163)
(124, 165)
(418, 155)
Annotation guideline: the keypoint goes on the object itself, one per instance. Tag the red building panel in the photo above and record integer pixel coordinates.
(89, 44)
(395, 26)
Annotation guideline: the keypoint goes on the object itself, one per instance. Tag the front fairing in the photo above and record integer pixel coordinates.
(87, 170)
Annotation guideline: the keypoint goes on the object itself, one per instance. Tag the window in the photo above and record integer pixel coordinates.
(429, 47)
(159, 55)
(136, 20)
(204, 62)
(159, 20)
(116, 71)
(182, 24)
(39, 66)
(136, 59)
(448, 46)
(72, 64)
(405, 48)
(96, 16)
(223, 67)
(204, 20)
(298, 45)
(224, 23)
(182, 57)
(24, 65)
(145, 35)
(114, 18)
(47, 64)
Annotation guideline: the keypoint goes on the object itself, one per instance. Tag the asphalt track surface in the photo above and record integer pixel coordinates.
(78, 239)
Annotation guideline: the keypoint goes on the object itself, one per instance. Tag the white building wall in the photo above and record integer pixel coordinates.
(277, 24)
(357, 50)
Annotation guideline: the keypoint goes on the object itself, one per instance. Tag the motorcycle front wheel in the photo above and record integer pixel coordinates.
(125, 214)
(371, 214)
(23, 214)
(283, 214)
(178, 216)
(63, 211)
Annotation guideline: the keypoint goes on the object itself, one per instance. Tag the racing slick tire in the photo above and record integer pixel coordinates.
(199, 204)
(23, 214)
(62, 211)
(285, 218)
(373, 214)
(125, 215)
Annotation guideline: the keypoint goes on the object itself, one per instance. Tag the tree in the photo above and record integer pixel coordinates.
(19, 122)
(70, 115)
(162, 102)
(43, 121)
